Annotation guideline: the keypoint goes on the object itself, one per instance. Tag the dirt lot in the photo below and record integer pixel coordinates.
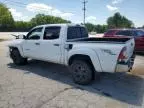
(46, 85)
(8, 36)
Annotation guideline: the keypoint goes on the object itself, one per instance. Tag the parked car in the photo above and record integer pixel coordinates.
(68, 44)
(138, 35)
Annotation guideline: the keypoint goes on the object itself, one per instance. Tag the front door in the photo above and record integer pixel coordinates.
(32, 45)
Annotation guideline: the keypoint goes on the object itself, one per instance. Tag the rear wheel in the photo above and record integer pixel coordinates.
(17, 58)
(81, 72)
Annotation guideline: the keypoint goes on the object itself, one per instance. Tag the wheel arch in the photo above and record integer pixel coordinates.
(80, 57)
(16, 48)
(85, 58)
(87, 53)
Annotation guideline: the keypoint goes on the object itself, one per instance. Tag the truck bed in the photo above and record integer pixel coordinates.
(101, 40)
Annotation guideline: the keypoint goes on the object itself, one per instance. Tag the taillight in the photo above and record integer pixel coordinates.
(122, 56)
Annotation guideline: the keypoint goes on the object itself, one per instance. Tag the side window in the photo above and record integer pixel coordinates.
(130, 33)
(110, 32)
(139, 33)
(51, 33)
(124, 33)
(73, 33)
(35, 34)
(120, 33)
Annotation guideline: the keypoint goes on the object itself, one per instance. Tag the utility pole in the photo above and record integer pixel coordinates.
(84, 9)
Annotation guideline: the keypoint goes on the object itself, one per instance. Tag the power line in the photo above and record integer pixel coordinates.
(20, 4)
(84, 9)
(16, 2)
(23, 5)
(9, 3)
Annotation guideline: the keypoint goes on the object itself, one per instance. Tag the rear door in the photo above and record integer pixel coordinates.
(51, 44)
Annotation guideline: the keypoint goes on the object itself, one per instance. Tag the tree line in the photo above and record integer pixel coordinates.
(7, 22)
(96, 28)
(114, 22)
(39, 19)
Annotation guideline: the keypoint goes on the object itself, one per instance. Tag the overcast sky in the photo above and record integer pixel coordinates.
(97, 10)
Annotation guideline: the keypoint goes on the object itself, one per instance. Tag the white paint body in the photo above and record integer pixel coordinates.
(46, 51)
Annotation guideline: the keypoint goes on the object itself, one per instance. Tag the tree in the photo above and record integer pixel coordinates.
(39, 19)
(90, 27)
(22, 26)
(47, 19)
(96, 28)
(119, 21)
(6, 19)
(101, 28)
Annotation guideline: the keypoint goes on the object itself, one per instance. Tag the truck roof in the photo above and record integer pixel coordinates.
(68, 24)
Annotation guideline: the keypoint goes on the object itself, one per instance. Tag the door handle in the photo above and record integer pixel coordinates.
(56, 44)
(37, 43)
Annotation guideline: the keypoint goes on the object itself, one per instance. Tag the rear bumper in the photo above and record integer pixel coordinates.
(125, 67)
(122, 68)
(139, 51)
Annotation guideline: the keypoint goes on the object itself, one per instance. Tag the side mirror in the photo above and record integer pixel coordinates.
(22, 37)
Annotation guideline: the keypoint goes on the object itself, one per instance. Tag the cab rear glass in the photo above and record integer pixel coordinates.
(77, 32)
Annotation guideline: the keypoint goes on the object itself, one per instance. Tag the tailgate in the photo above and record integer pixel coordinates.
(130, 45)
(127, 64)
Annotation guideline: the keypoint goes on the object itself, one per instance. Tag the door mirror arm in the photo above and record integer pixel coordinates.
(24, 37)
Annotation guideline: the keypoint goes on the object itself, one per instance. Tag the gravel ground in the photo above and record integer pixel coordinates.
(8, 35)
(46, 85)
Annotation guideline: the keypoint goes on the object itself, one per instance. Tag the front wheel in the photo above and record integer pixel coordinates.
(17, 58)
(81, 72)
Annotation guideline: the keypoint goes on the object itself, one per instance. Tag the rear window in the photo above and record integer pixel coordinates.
(77, 32)
(125, 33)
(110, 32)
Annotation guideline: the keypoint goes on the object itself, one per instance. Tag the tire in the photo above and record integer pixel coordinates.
(17, 58)
(82, 72)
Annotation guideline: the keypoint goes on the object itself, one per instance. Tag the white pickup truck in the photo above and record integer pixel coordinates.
(68, 44)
